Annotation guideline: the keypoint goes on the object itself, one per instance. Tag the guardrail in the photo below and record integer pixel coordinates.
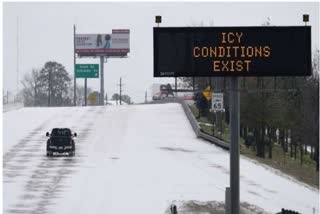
(198, 131)
(194, 123)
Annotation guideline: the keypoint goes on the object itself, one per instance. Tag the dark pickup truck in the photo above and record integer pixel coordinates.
(61, 141)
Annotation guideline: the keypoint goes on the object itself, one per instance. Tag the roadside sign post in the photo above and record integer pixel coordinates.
(85, 92)
(217, 108)
(101, 81)
(234, 145)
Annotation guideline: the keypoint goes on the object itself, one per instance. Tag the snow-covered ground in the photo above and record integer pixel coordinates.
(116, 102)
(11, 106)
(129, 159)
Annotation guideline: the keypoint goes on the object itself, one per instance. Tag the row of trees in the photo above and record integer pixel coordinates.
(124, 98)
(282, 110)
(52, 86)
(289, 116)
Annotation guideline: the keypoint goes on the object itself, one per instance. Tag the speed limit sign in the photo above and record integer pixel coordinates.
(217, 102)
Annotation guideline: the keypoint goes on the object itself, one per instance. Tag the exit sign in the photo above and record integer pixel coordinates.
(87, 71)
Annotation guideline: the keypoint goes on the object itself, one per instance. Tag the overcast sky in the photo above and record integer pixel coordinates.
(46, 33)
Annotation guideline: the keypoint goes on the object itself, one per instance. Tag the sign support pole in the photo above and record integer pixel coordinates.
(235, 145)
(193, 84)
(101, 80)
(120, 91)
(74, 67)
(175, 86)
(85, 92)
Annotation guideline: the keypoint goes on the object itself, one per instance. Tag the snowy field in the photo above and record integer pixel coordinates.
(132, 159)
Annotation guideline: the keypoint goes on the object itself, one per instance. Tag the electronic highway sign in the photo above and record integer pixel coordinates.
(232, 51)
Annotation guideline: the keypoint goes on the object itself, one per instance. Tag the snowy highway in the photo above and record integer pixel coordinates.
(129, 159)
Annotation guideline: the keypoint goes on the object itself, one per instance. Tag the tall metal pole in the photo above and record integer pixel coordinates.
(193, 84)
(175, 86)
(146, 97)
(74, 67)
(101, 80)
(85, 92)
(120, 91)
(215, 115)
(17, 57)
(235, 145)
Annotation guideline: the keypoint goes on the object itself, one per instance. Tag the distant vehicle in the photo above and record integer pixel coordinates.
(166, 90)
(162, 92)
(61, 141)
(188, 96)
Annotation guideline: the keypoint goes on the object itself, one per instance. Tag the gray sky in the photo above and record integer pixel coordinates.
(46, 33)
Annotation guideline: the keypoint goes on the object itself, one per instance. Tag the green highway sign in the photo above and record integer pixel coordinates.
(87, 71)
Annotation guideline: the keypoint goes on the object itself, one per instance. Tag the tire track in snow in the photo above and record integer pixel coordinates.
(46, 180)
(25, 141)
(27, 149)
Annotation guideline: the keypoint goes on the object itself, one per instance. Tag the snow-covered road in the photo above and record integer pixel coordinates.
(130, 159)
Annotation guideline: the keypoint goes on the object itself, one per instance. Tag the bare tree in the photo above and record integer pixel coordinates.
(30, 92)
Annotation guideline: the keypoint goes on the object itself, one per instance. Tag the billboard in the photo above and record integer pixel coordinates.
(115, 44)
(232, 51)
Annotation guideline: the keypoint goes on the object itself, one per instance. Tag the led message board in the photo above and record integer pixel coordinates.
(232, 51)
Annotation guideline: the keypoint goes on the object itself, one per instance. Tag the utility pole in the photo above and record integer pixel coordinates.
(145, 98)
(120, 90)
(17, 56)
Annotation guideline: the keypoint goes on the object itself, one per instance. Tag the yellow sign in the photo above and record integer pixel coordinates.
(92, 99)
(207, 93)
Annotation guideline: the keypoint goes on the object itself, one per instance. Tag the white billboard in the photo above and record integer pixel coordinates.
(116, 43)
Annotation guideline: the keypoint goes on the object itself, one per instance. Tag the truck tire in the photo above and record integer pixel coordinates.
(49, 153)
(72, 153)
